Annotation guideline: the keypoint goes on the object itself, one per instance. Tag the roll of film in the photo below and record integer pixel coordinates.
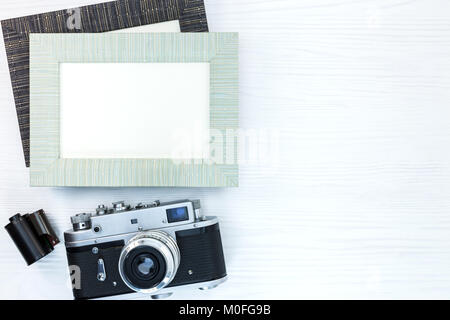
(32, 235)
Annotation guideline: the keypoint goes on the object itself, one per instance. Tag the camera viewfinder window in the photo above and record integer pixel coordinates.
(177, 214)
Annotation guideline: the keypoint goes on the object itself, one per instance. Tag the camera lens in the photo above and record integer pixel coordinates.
(149, 261)
(146, 265)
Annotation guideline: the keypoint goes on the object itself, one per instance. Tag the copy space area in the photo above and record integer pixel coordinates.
(134, 110)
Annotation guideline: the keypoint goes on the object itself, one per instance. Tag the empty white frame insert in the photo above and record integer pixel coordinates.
(134, 110)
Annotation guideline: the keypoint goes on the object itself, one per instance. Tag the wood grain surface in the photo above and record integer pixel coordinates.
(349, 195)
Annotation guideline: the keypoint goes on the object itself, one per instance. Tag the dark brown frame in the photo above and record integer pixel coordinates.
(101, 17)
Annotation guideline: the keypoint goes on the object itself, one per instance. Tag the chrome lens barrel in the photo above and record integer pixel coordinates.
(151, 241)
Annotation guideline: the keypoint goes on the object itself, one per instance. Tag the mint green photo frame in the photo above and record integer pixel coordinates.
(48, 51)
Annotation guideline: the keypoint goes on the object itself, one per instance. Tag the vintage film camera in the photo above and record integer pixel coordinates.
(146, 250)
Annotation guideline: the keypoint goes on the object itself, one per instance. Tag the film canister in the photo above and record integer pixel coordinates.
(33, 235)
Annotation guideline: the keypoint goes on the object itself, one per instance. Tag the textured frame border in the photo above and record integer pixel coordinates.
(101, 17)
(48, 51)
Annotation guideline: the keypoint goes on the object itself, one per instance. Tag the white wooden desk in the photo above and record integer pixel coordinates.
(357, 203)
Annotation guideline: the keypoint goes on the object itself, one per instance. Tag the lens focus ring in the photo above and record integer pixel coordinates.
(161, 244)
